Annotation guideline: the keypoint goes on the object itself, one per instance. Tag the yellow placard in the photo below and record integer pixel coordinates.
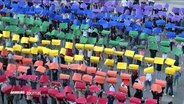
(40, 48)
(6, 34)
(79, 57)
(79, 46)
(177, 68)
(159, 60)
(133, 67)
(148, 59)
(122, 65)
(34, 50)
(94, 59)
(1, 48)
(149, 70)
(89, 46)
(1, 35)
(169, 61)
(68, 59)
(98, 49)
(69, 45)
(45, 42)
(108, 51)
(53, 53)
(33, 39)
(46, 50)
(129, 53)
(170, 70)
(24, 40)
(9, 49)
(26, 51)
(118, 53)
(63, 51)
(17, 48)
(56, 42)
(138, 57)
(109, 62)
(16, 37)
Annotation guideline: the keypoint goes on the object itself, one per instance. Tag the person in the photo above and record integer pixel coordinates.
(110, 99)
(29, 99)
(169, 85)
(156, 96)
(176, 77)
(148, 80)
(153, 53)
(134, 76)
(138, 94)
(111, 88)
(177, 60)
(44, 99)
(9, 98)
(159, 68)
(151, 2)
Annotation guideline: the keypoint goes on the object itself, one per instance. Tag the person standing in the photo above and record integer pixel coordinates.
(148, 80)
(169, 81)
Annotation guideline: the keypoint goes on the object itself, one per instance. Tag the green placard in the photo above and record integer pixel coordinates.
(165, 49)
(177, 51)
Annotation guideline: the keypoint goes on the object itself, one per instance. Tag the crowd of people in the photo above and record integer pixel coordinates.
(83, 52)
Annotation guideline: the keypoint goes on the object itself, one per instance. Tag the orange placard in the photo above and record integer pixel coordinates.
(160, 82)
(138, 86)
(99, 79)
(64, 76)
(75, 66)
(142, 78)
(83, 67)
(156, 88)
(101, 73)
(27, 61)
(91, 70)
(41, 69)
(77, 77)
(53, 66)
(23, 69)
(4, 52)
(64, 66)
(11, 67)
(38, 63)
(112, 80)
(87, 78)
(123, 89)
(17, 57)
(125, 76)
(112, 73)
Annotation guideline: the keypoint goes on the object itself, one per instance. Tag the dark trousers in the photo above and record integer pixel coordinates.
(128, 87)
(169, 87)
(2, 97)
(29, 101)
(10, 101)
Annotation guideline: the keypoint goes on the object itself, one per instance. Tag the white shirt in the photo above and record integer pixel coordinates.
(112, 88)
(90, 30)
(80, 52)
(55, 60)
(89, 53)
(164, 56)
(148, 77)
(124, 3)
(85, 33)
(10, 56)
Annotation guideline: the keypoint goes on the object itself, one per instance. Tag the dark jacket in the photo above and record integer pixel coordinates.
(138, 94)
